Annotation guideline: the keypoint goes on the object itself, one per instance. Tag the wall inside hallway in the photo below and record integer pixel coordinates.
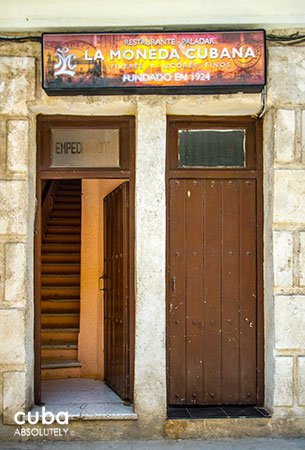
(91, 336)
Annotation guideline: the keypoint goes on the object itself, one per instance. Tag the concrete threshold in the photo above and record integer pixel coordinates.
(91, 411)
(82, 399)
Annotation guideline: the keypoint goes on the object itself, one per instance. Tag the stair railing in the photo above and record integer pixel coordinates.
(48, 194)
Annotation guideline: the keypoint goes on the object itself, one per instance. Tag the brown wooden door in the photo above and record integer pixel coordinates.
(116, 312)
(212, 292)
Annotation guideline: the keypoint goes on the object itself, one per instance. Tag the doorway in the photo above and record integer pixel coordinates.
(84, 255)
(214, 262)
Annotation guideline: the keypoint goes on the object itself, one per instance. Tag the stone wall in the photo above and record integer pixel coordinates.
(21, 99)
(285, 165)
(17, 87)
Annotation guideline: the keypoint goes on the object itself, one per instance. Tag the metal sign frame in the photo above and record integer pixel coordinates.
(63, 74)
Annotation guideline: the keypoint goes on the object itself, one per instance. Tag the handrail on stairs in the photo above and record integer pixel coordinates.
(47, 201)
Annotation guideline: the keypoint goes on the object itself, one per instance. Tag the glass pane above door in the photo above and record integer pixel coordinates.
(212, 148)
(85, 147)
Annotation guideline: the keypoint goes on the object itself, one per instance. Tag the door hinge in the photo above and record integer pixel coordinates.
(101, 282)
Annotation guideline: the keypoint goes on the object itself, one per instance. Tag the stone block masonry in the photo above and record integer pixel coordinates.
(289, 256)
(17, 146)
(17, 84)
(17, 88)
(284, 135)
(21, 99)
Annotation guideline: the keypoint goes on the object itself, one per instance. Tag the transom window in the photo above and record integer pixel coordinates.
(210, 143)
(211, 148)
(85, 147)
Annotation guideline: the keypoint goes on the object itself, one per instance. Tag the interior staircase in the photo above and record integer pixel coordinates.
(60, 281)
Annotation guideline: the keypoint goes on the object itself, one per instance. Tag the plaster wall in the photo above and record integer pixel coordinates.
(21, 99)
(91, 335)
(33, 14)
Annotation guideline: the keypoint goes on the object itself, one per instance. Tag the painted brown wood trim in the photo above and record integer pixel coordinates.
(122, 123)
(37, 283)
(132, 234)
(255, 127)
(79, 174)
(198, 173)
(175, 123)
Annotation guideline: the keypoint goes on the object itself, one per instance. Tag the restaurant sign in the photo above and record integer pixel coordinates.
(135, 63)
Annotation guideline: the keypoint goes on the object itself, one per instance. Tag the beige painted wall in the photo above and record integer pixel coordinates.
(91, 336)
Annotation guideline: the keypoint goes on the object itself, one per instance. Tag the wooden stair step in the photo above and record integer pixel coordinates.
(69, 191)
(61, 248)
(59, 258)
(60, 306)
(64, 214)
(60, 268)
(48, 363)
(63, 221)
(67, 200)
(61, 239)
(59, 335)
(60, 280)
(60, 283)
(59, 346)
(60, 292)
(69, 184)
(68, 320)
(61, 373)
(64, 306)
(63, 229)
(67, 206)
(59, 352)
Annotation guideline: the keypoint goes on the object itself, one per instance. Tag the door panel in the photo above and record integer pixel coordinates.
(194, 286)
(177, 306)
(212, 290)
(116, 311)
(212, 356)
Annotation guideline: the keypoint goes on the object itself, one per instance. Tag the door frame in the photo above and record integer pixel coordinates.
(126, 171)
(253, 169)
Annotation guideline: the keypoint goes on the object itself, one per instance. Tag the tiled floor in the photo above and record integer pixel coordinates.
(215, 412)
(84, 399)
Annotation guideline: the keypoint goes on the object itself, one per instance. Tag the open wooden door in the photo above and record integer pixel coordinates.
(116, 289)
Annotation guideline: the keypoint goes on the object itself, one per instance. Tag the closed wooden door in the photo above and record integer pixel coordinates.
(212, 291)
(116, 282)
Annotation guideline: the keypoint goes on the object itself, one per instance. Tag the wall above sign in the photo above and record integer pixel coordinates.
(154, 63)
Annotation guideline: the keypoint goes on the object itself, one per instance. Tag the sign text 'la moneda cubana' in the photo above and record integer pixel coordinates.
(111, 63)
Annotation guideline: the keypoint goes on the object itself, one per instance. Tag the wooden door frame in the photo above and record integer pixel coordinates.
(126, 125)
(253, 169)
